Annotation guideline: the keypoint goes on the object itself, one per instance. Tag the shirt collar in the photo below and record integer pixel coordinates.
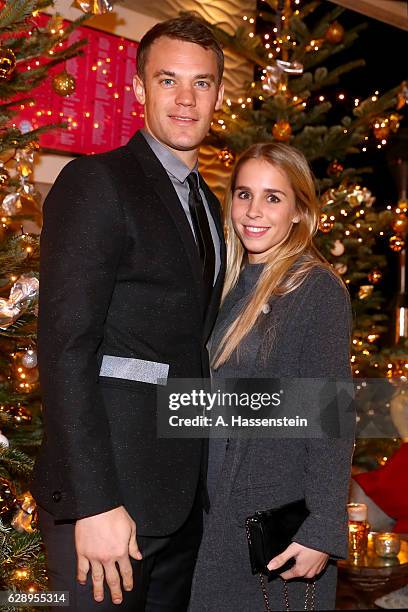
(172, 164)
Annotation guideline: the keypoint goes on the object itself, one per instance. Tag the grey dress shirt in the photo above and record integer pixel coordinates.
(178, 173)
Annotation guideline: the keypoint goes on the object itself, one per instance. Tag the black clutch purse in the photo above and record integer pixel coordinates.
(270, 532)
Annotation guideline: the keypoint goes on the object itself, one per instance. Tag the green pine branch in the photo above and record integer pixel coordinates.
(15, 13)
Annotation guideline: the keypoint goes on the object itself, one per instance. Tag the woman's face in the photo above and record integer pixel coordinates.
(263, 208)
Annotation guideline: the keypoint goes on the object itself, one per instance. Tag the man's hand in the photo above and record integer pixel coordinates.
(102, 541)
(309, 562)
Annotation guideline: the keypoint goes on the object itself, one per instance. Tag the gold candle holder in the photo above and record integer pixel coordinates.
(358, 530)
(387, 544)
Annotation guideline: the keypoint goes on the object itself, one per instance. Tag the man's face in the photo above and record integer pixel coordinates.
(180, 92)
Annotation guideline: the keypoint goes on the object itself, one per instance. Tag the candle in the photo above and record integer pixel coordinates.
(357, 512)
(358, 529)
(387, 544)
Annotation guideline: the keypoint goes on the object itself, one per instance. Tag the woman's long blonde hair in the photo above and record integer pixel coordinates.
(275, 278)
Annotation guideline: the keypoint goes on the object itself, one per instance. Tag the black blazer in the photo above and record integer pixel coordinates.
(120, 276)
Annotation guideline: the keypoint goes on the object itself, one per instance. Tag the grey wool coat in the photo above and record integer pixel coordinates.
(311, 339)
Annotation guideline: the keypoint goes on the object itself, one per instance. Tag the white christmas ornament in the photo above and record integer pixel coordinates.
(29, 360)
(337, 249)
(4, 441)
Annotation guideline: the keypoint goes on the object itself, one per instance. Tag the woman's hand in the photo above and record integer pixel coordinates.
(309, 562)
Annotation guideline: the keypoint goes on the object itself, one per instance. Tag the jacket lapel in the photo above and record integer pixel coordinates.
(214, 304)
(165, 191)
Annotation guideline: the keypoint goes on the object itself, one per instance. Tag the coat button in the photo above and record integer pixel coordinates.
(266, 309)
(56, 496)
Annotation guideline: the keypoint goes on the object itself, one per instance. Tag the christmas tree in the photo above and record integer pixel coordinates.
(290, 42)
(27, 54)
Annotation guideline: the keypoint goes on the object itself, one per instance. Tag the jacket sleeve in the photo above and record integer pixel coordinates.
(326, 355)
(80, 248)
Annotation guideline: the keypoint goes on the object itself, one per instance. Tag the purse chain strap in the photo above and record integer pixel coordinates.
(309, 596)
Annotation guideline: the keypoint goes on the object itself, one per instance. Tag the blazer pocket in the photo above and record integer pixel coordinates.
(130, 369)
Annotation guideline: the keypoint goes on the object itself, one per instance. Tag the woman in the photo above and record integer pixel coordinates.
(284, 314)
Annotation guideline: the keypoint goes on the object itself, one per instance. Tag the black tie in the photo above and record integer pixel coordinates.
(203, 235)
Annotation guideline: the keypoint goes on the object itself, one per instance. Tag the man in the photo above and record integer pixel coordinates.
(132, 266)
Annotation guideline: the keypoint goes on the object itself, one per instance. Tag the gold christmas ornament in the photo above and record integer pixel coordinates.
(64, 84)
(335, 33)
(400, 224)
(25, 515)
(226, 157)
(396, 243)
(282, 131)
(325, 224)
(365, 291)
(94, 7)
(7, 63)
(337, 249)
(335, 168)
(375, 276)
